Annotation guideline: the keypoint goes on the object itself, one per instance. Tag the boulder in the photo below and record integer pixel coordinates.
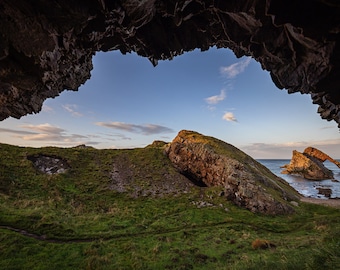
(244, 181)
(309, 164)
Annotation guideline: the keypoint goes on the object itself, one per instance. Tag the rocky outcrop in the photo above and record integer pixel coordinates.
(245, 182)
(49, 164)
(47, 46)
(309, 164)
(316, 153)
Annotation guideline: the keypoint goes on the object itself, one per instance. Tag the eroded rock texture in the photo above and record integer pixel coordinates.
(47, 46)
(309, 164)
(318, 154)
(49, 164)
(244, 181)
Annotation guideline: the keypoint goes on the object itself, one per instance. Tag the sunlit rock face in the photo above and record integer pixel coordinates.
(309, 164)
(243, 180)
(318, 154)
(47, 46)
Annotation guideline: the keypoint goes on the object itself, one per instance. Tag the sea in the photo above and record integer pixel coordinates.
(321, 189)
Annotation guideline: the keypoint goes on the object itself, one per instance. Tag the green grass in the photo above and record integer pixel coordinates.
(76, 221)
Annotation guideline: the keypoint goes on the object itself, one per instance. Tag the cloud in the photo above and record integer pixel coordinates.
(284, 150)
(44, 128)
(147, 129)
(116, 137)
(47, 109)
(38, 132)
(72, 109)
(235, 69)
(216, 99)
(229, 116)
(48, 134)
(14, 131)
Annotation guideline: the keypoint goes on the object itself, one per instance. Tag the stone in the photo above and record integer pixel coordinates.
(309, 164)
(316, 153)
(245, 182)
(262, 244)
(296, 204)
(47, 47)
(49, 164)
(327, 192)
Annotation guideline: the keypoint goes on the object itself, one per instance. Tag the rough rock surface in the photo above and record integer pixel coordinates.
(245, 182)
(309, 164)
(49, 164)
(47, 46)
(316, 153)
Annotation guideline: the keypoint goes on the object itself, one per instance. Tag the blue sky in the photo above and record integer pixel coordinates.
(129, 103)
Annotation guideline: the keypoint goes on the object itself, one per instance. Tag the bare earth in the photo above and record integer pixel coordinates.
(330, 202)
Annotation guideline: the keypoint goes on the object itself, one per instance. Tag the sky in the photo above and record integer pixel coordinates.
(129, 103)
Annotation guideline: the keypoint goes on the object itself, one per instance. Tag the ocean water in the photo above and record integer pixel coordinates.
(322, 189)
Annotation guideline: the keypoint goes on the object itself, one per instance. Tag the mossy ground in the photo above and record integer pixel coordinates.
(75, 221)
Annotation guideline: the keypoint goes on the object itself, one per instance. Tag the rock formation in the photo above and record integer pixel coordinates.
(309, 164)
(316, 153)
(245, 182)
(49, 164)
(47, 46)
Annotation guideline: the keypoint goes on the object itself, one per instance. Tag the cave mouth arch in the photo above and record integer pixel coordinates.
(169, 109)
(298, 42)
(194, 179)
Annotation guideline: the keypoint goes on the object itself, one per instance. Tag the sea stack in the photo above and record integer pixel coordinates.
(309, 164)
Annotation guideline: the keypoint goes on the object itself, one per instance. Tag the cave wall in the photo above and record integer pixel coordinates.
(47, 46)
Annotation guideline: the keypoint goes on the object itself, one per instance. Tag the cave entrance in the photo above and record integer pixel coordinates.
(194, 179)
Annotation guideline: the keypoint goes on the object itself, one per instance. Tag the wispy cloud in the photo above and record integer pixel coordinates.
(16, 132)
(46, 108)
(229, 116)
(216, 99)
(284, 150)
(72, 109)
(116, 137)
(47, 134)
(44, 128)
(235, 69)
(230, 72)
(146, 129)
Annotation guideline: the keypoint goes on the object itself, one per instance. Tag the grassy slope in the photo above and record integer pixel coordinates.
(86, 225)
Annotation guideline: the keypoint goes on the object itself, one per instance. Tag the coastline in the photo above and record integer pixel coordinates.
(309, 189)
(328, 202)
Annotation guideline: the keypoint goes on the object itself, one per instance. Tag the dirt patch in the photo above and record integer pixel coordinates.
(143, 179)
(329, 202)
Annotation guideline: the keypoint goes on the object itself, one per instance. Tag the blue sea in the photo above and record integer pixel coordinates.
(308, 188)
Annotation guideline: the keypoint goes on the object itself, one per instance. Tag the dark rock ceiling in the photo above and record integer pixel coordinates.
(47, 46)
